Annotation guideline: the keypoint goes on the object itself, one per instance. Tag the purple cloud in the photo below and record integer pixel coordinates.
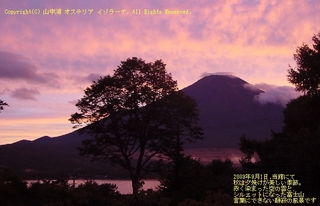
(73, 102)
(14, 66)
(92, 77)
(25, 94)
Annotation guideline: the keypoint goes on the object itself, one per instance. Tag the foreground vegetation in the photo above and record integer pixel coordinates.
(188, 183)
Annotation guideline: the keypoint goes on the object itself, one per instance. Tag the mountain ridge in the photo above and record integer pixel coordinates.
(217, 96)
(227, 111)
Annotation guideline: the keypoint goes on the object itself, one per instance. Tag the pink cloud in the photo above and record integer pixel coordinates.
(74, 41)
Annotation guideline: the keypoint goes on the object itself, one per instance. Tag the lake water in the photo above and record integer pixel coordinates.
(205, 155)
(124, 186)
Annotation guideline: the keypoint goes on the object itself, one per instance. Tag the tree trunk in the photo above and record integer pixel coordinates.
(135, 186)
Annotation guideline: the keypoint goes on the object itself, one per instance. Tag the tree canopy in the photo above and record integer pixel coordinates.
(302, 113)
(2, 103)
(136, 117)
(296, 149)
(306, 76)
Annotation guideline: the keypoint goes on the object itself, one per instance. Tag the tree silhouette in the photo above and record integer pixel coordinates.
(13, 191)
(296, 149)
(302, 113)
(136, 117)
(306, 77)
(2, 103)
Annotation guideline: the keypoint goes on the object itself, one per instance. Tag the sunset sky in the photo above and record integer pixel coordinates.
(48, 58)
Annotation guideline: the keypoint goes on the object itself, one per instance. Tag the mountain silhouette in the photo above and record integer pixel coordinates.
(227, 111)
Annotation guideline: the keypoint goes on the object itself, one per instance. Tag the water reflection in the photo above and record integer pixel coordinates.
(124, 186)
